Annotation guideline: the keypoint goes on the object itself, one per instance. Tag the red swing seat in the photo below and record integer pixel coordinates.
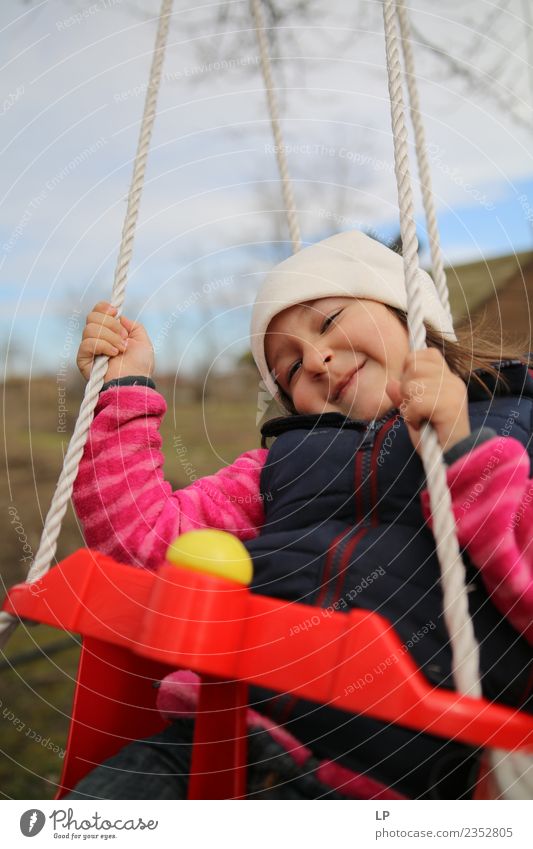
(138, 625)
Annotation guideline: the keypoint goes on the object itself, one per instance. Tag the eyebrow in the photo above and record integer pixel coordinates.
(302, 308)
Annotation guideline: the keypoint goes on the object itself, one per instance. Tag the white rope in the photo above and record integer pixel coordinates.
(52, 525)
(286, 186)
(465, 650)
(439, 275)
(512, 772)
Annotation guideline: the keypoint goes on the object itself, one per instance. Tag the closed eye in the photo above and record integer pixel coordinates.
(329, 320)
(292, 370)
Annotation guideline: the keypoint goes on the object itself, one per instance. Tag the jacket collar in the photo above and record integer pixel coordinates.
(281, 424)
(515, 373)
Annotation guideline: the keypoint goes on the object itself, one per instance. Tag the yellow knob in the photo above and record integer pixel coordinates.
(215, 552)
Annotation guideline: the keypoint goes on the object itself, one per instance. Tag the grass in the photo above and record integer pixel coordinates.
(36, 701)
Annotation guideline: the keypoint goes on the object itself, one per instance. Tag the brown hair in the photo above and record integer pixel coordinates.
(477, 348)
(473, 351)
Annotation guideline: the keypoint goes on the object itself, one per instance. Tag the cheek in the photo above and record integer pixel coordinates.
(302, 398)
(309, 401)
(388, 347)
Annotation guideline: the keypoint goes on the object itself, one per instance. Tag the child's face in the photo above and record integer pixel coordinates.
(336, 355)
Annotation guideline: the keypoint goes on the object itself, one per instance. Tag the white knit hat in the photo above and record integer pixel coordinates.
(347, 265)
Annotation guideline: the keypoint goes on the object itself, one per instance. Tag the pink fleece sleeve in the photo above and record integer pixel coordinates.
(492, 496)
(125, 506)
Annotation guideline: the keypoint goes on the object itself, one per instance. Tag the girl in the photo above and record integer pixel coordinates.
(333, 513)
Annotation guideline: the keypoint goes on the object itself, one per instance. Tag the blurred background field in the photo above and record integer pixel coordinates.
(36, 695)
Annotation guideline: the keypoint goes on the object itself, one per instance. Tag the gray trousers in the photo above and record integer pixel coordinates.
(158, 768)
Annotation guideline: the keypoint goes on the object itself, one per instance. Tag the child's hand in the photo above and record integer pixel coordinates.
(125, 342)
(429, 391)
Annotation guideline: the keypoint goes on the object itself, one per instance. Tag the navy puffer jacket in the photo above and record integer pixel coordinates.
(344, 527)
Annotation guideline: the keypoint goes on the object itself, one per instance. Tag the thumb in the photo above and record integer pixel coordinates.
(127, 323)
(393, 390)
(135, 330)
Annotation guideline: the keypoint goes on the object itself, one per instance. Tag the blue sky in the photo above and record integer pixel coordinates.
(72, 87)
(507, 228)
(471, 231)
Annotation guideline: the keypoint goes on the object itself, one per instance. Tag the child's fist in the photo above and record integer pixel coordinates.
(125, 342)
(429, 391)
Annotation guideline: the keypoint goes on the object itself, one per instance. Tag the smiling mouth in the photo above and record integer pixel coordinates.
(343, 385)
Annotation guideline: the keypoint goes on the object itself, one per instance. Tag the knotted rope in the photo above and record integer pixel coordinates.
(52, 525)
(512, 772)
(465, 650)
(424, 172)
(281, 156)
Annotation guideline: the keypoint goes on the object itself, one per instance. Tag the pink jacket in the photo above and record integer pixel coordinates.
(128, 510)
(126, 507)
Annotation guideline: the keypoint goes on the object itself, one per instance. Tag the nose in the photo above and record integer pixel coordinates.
(316, 360)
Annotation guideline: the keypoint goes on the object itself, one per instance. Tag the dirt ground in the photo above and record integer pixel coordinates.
(36, 694)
